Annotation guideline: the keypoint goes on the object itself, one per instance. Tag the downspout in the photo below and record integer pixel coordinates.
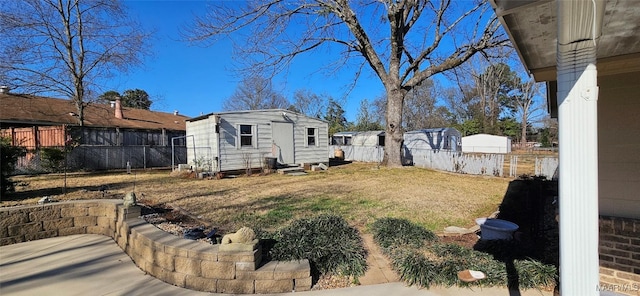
(216, 120)
(579, 24)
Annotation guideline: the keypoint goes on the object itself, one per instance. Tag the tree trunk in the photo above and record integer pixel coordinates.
(394, 133)
(523, 127)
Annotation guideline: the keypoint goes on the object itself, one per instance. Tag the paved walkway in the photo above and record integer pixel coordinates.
(95, 265)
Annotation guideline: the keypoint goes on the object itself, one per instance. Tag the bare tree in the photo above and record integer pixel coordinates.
(524, 103)
(254, 93)
(420, 109)
(415, 45)
(309, 103)
(486, 85)
(67, 47)
(365, 120)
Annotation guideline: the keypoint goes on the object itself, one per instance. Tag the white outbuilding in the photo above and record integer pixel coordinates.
(484, 143)
(238, 140)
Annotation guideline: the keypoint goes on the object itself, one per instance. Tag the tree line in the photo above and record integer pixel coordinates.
(493, 100)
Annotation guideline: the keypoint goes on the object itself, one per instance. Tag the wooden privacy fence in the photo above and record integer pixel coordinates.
(92, 158)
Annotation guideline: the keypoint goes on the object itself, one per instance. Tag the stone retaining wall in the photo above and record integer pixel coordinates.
(181, 262)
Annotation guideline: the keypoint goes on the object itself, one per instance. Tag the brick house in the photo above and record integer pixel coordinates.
(112, 135)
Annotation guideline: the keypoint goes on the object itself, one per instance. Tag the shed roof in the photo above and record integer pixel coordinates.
(431, 130)
(485, 135)
(17, 109)
(369, 133)
(283, 111)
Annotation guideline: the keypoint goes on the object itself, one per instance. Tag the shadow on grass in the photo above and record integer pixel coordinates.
(530, 203)
(37, 193)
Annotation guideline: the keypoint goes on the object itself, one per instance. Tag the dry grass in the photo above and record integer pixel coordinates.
(359, 192)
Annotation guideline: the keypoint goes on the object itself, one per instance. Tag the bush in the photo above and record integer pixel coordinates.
(52, 158)
(420, 260)
(330, 244)
(393, 232)
(9, 156)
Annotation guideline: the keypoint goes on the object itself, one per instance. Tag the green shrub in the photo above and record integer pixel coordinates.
(420, 260)
(9, 156)
(52, 158)
(534, 274)
(330, 244)
(393, 232)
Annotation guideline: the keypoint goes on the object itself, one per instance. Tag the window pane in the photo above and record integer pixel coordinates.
(311, 141)
(311, 132)
(245, 129)
(246, 141)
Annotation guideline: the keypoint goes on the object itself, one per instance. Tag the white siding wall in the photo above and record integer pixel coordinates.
(202, 133)
(483, 143)
(619, 145)
(310, 154)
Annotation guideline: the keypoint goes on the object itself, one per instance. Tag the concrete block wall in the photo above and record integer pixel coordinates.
(181, 262)
(620, 255)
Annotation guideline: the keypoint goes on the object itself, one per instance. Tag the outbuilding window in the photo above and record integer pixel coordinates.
(312, 136)
(246, 133)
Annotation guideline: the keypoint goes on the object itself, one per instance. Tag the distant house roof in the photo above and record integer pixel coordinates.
(19, 109)
(432, 130)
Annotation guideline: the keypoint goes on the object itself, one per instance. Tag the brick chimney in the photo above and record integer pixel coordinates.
(118, 108)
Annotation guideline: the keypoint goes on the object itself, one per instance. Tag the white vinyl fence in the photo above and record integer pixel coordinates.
(464, 163)
(457, 162)
(546, 166)
(359, 153)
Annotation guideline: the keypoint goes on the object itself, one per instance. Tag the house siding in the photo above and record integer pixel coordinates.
(483, 143)
(619, 145)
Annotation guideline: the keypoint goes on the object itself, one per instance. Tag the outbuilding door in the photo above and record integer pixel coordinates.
(282, 133)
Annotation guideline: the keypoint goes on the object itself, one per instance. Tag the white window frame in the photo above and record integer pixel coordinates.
(253, 135)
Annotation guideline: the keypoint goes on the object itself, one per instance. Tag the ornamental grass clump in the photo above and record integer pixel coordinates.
(420, 260)
(330, 244)
(394, 232)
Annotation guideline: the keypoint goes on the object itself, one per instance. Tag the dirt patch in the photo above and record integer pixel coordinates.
(465, 240)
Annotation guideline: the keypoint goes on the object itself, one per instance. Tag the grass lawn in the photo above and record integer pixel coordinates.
(359, 192)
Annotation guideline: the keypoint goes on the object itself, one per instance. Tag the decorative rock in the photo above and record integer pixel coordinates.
(129, 200)
(456, 230)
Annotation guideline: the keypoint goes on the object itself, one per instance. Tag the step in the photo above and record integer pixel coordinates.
(290, 170)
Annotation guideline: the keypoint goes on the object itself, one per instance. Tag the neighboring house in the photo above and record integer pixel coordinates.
(36, 122)
(368, 139)
(240, 140)
(342, 138)
(445, 138)
(484, 143)
(588, 52)
(368, 146)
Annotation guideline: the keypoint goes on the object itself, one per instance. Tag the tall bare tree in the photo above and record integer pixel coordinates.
(253, 93)
(420, 109)
(525, 103)
(309, 103)
(421, 39)
(365, 119)
(67, 47)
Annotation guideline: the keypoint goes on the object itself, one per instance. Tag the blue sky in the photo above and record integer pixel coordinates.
(196, 80)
